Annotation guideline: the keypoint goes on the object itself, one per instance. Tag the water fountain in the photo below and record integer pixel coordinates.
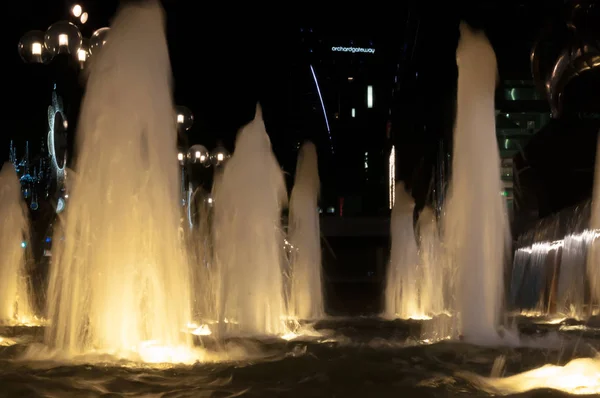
(475, 224)
(248, 239)
(402, 293)
(304, 235)
(580, 376)
(119, 279)
(432, 280)
(14, 236)
(593, 260)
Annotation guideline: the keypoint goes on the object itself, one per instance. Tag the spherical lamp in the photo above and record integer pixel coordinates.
(184, 118)
(32, 50)
(63, 37)
(198, 154)
(98, 40)
(218, 156)
(84, 52)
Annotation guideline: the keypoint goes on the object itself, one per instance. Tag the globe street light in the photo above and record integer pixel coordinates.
(62, 37)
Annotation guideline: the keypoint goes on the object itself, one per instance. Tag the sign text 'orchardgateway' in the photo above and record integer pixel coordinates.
(354, 50)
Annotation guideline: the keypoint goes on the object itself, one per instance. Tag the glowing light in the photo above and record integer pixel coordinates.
(322, 106)
(180, 156)
(220, 157)
(63, 39)
(76, 10)
(353, 112)
(84, 17)
(353, 50)
(202, 158)
(198, 155)
(36, 48)
(369, 96)
(392, 177)
(586, 235)
(579, 377)
(81, 55)
(180, 118)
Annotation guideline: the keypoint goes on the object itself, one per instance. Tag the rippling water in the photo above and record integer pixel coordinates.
(355, 357)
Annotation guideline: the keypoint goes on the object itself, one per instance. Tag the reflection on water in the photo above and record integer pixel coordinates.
(353, 357)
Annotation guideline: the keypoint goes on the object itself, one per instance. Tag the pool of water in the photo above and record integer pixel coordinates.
(354, 357)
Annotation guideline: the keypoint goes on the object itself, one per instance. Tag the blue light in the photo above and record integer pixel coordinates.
(48, 239)
(23, 244)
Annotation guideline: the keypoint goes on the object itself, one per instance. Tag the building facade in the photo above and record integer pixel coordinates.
(342, 89)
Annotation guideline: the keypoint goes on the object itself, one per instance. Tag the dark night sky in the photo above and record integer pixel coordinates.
(223, 62)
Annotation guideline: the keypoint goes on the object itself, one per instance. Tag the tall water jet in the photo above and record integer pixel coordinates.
(248, 239)
(593, 260)
(14, 235)
(432, 279)
(476, 224)
(306, 295)
(119, 281)
(402, 293)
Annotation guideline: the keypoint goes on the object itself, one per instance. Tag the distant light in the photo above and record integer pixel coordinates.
(350, 78)
(392, 178)
(67, 196)
(36, 48)
(23, 244)
(210, 200)
(180, 118)
(48, 239)
(63, 39)
(353, 112)
(65, 123)
(84, 17)
(81, 55)
(198, 154)
(202, 158)
(220, 157)
(369, 96)
(76, 10)
(180, 156)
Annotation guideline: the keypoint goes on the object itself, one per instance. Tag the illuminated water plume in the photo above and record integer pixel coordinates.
(248, 239)
(579, 377)
(306, 291)
(476, 224)
(119, 281)
(14, 236)
(402, 293)
(593, 260)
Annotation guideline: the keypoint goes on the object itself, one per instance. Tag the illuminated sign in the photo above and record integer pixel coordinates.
(353, 50)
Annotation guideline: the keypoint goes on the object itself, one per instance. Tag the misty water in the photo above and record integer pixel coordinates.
(248, 237)
(304, 236)
(119, 280)
(15, 298)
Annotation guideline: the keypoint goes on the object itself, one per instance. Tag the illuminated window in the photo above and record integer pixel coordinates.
(369, 96)
(353, 112)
